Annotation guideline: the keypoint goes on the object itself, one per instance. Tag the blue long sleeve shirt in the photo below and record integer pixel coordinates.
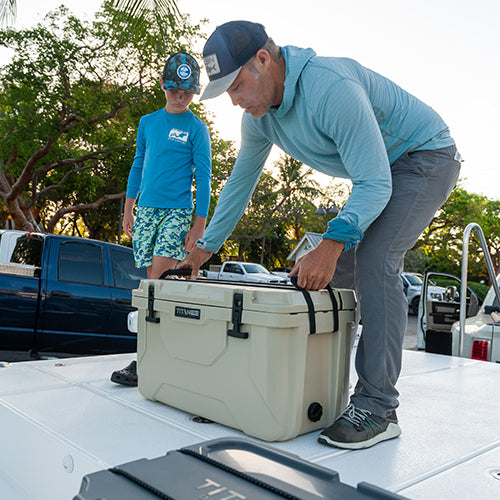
(171, 150)
(341, 119)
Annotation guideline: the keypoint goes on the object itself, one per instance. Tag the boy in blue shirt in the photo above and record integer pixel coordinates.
(173, 147)
(346, 121)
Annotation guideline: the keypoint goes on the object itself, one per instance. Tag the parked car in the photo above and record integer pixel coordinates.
(243, 271)
(282, 272)
(412, 285)
(482, 331)
(68, 295)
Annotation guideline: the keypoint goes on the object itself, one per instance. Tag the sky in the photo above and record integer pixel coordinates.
(445, 52)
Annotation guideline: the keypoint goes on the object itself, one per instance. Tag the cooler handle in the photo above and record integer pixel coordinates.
(310, 306)
(335, 308)
(175, 272)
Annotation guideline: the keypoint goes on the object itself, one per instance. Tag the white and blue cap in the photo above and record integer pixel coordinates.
(229, 47)
(181, 72)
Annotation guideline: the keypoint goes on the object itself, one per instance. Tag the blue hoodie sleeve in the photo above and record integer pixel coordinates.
(348, 118)
(238, 189)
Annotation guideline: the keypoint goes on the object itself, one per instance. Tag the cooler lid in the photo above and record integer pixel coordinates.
(278, 299)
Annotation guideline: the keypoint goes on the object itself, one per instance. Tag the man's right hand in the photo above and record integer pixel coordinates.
(194, 260)
(316, 268)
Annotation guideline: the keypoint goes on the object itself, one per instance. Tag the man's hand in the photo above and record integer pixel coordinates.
(315, 269)
(196, 258)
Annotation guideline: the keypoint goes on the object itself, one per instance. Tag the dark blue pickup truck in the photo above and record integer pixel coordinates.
(67, 295)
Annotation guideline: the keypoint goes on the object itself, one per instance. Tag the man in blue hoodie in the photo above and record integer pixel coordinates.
(345, 121)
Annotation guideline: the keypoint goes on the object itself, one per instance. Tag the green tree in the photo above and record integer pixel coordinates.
(70, 103)
(442, 239)
(416, 261)
(138, 13)
(490, 223)
(281, 199)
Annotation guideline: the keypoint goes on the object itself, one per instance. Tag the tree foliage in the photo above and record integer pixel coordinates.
(137, 13)
(281, 203)
(441, 242)
(70, 103)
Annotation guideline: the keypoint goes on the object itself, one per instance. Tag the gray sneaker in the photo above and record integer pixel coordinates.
(357, 428)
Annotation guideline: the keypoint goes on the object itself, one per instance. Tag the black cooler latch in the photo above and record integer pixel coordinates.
(151, 302)
(236, 318)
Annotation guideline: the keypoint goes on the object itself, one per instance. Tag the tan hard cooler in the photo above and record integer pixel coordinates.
(272, 361)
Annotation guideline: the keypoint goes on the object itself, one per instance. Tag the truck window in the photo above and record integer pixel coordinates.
(80, 263)
(28, 250)
(125, 274)
(415, 279)
(255, 268)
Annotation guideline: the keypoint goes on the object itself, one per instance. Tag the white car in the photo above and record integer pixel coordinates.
(283, 273)
(481, 332)
(412, 285)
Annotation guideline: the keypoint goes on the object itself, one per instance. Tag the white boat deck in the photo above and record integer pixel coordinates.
(62, 419)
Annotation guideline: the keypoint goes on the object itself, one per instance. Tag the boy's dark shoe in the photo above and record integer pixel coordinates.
(126, 376)
(356, 429)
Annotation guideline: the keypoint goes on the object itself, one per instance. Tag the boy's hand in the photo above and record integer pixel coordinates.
(128, 216)
(128, 223)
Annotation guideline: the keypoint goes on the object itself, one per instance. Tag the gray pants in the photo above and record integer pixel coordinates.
(421, 183)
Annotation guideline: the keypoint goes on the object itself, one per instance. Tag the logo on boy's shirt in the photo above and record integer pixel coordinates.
(178, 135)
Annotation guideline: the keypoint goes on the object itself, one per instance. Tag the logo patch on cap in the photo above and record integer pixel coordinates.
(184, 71)
(212, 64)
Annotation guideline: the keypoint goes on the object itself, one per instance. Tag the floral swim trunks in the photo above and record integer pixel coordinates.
(160, 232)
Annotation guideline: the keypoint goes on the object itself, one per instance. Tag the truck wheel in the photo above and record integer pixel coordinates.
(414, 305)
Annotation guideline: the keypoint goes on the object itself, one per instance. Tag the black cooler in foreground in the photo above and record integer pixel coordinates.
(224, 469)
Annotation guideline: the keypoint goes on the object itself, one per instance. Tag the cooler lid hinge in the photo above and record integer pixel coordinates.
(236, 318)
(151, 310)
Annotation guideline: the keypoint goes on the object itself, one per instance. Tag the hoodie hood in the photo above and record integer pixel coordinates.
(296, 60)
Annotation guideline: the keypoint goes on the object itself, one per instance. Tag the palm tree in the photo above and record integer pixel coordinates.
(8, 11)
(142, 11)
(137, 14)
